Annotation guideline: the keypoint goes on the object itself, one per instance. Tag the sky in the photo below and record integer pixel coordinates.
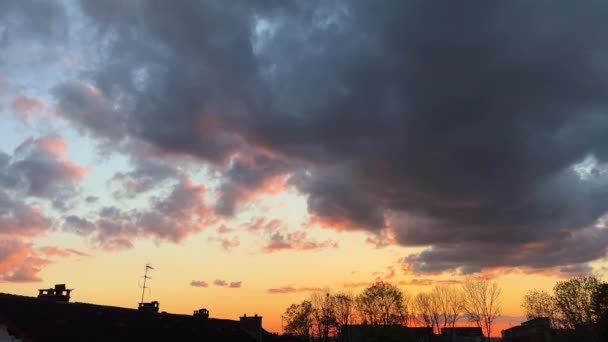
(256, 152)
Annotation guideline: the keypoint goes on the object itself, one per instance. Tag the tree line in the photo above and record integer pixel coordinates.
(578, 305)
(320, 316)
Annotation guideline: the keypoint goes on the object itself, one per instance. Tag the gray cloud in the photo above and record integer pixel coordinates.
(199, 283)
(39, 168)
(220, 282)
(170, 217)
(296, 240)
(146, 175)
(235, 284)
(453, 125)
(78, 225)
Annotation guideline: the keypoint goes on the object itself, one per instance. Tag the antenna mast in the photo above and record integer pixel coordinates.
(143, 289)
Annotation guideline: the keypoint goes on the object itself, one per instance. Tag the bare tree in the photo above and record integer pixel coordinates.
(482, 301)
(426, 310)
(344, 308)
(449, 304)
(323, 316)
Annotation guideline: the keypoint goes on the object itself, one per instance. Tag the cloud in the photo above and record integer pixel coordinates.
(170, 217)
(38, 168)
(257, 224)
(19, 219)
(27, 107)
(199, 283)
(91, 199)
(20, 262)
(429, 282)
(223, 229)
(147, 174)
(220, 282)
(54, 251)
(235, 284)
(297, 240)
(387, 118)
(227, 243)
(77, 252)
(78, 225)
(386, 275)
(247, 178)
(358, 284)
(291, 289)
(231, 285)
(231, 243)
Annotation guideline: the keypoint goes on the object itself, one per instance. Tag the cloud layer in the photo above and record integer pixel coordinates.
(476, 131)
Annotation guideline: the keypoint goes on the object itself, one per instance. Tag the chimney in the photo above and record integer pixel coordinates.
(252, 326)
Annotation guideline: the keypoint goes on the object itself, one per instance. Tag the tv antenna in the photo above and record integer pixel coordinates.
(143, 288)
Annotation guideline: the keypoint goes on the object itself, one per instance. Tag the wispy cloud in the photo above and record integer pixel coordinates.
(291, 289)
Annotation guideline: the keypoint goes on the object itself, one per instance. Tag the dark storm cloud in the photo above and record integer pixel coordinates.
(30, 18)
(455, 125)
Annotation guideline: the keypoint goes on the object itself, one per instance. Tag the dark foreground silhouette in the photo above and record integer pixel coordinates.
(39, 319)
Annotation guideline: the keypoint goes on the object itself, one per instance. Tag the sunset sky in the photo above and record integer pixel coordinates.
(256, 151)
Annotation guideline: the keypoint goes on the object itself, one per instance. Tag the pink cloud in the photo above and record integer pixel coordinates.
(19, 262)
(24, 221)
(27, 107)
(54, 145)
(223, 229)
(54, 251)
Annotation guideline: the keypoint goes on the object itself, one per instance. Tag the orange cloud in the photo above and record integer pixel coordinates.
(19, 261)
